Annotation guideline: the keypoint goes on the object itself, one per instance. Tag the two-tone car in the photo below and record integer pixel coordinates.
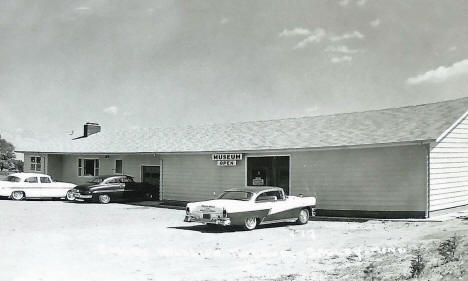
(251, 206)
(110, 188)
(19, 186)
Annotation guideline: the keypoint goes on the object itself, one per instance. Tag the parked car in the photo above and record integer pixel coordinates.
(110, 188)
(19, 186)
(251, 206)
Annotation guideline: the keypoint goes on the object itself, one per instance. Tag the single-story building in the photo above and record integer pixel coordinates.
(397, 162)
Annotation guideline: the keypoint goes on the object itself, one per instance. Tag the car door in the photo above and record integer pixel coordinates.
(115, 188)
(31, 187)
(280, 208)
(50, 188)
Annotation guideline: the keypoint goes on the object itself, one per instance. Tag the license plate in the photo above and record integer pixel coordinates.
(206, 216)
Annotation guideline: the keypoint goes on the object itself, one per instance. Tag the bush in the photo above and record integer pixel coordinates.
(370, 272)
(448, 248)
(417, 264)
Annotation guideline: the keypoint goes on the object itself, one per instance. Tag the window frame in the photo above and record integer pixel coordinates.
(81, 167)
(34, 164)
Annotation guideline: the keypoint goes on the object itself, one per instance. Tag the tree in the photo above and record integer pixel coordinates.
(7, 155)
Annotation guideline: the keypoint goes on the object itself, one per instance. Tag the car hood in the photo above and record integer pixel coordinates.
(219, 204)
(85, 187)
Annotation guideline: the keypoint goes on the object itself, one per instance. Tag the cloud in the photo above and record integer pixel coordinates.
(348, 35)
(343, 3)
(113, 110)
(440, 74)
(82, 8)
(341, 59)
(316, 36)
(341, 49)
(375, 23)
(361, 2)
(294, 32)
(453, 48)
(224, 21)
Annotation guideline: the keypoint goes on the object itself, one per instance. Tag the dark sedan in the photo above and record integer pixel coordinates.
(111, 188)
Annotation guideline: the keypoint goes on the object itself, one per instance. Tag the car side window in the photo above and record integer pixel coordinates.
(115, 180)
(31, 180)
(45, 180)
(124, 180)
(270, 196)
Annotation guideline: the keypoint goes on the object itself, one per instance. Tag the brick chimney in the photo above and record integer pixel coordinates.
(91, 128)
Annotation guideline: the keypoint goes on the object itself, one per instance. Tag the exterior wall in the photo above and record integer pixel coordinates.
(27, 162)
(192, 177)
(55, 166)
(131, 165)
(373, 179)
(449, 169)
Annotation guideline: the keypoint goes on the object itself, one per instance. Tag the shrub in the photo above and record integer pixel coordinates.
(448, 248)
(417, 264)
(370, 272)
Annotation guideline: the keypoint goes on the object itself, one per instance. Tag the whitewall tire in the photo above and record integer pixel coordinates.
(17, 195)
(70, 196)
(250, 223)
(303, 217)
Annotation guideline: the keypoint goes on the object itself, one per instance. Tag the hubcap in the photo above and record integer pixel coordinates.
(17, 195)
(104, 198)
(70, 196)
(250, 223)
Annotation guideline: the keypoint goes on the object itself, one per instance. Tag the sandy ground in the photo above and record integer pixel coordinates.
(55, 240)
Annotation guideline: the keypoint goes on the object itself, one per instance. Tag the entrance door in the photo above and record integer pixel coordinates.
(151, 175)
(268, 171)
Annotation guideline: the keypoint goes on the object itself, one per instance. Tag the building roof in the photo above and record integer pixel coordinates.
(394, 125)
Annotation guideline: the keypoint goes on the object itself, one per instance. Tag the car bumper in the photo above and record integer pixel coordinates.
(82, 196)
(220, 221)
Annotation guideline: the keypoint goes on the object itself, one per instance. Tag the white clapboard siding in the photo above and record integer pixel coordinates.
(449, 170)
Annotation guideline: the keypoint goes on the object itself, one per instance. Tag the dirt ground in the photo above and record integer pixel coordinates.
(55, 240)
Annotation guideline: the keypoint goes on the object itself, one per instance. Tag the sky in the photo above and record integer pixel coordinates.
(130, 64)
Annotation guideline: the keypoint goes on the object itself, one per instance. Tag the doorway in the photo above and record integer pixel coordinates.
(268, 171)
(152, 176)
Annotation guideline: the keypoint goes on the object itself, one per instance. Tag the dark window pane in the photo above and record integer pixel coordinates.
(45, 180)
(118, 166)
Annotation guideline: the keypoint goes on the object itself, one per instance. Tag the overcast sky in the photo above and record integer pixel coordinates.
(166, 63)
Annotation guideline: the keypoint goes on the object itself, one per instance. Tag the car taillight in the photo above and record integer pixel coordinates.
(187, 210)
(224, 213)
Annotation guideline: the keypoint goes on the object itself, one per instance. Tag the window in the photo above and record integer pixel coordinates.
(88, 167)
(236, 195)
(270, 195)
(118, 167)
(113, 180)
(36, 163)
(45, 180)
(13, 179)
(31, 180)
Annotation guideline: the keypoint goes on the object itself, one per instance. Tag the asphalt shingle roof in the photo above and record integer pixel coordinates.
(393, 125)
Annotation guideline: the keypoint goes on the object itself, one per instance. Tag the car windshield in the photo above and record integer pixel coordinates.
(13, 179)
(236, 195)
(96, 180)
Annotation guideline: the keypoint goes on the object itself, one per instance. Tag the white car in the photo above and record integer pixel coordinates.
(32, 185)
(251, 206)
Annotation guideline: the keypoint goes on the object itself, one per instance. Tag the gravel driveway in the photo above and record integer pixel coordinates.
(56, 240)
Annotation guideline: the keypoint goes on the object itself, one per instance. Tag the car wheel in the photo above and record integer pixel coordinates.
(70, 196)
(104, 198)
(17, 195)
(303, 217)
(250, 223)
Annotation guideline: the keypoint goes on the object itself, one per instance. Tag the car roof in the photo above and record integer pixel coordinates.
(26, 175)
(255, 189)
